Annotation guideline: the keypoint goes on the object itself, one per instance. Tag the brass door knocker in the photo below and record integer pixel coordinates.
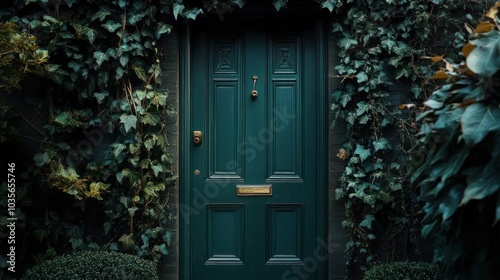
(254, 93)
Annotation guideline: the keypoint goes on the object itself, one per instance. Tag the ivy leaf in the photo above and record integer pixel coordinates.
(149, 143)
(193, 13)
(364, 119)
(130, 121)
(362, 77)
(122, 3)
(362, 152)
(145, 239)
(151, 118)
(178, 8)
(41, 159)
(168, 237)
(132, 211)
(74, 65)
(101, 14)
(140, 94)
(123, 60)
(111, 26)
(91, 35)
(163, 249)
(135, 18)
(341, 96)
(388, 44)
(63, 119)
(100, 96)
(162, 28)
(367, 222)
(363, 107)
(278, 4)
(100, 57)
(118, 149)
(145, 162)
(139, 71)
(381, 144)
(478, 120)
(75, 242)
(347, 43)
(124, 200)
(328, 4)
(127, 241)
(157, 169)
(240, 3)
(159, 100)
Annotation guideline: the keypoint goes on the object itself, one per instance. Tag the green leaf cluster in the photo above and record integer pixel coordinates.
(459, 173)
(382, 45)
(104, 149)
(20, 56)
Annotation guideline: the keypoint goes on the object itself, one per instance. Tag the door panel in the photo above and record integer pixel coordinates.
(253, 184)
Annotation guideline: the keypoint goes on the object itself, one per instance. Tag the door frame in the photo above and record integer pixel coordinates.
(185, 142)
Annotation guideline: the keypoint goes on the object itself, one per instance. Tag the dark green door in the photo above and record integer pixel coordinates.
(252, 204)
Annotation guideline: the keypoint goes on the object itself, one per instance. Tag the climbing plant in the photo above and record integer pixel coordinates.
(458, 146)
(104, 169)
(382, 46)
(105, 147)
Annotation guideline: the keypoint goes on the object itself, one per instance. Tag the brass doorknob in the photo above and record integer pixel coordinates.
(197, 137)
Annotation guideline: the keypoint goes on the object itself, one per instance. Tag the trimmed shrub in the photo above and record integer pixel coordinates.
(88, 265)
(403, 270)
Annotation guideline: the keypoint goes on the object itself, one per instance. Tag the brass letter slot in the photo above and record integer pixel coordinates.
(254, 190)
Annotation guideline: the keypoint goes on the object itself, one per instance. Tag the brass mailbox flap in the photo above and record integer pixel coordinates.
(254, 190)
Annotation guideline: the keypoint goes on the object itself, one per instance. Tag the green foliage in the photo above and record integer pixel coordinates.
(93, 265)
(381, 46)
(20, 56)
(457, 159)
(403, 270)
(8, 131)
(104, 145)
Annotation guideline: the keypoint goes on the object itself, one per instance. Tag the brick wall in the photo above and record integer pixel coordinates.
(336, 213)
(169, 264)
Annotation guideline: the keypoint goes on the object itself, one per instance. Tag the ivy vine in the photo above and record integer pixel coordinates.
(104, 144)
(383, 45)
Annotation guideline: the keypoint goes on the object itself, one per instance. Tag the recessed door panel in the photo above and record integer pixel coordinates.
(285, 240)
(226, 125)
(224, 234)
